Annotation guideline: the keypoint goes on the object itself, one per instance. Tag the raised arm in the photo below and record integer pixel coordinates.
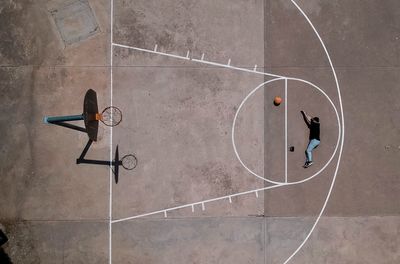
(307, 118)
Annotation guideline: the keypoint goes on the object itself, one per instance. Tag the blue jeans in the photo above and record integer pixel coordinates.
(311, 145)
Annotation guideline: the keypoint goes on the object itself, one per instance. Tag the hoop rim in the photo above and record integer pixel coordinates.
(111, 107)
(127, 156)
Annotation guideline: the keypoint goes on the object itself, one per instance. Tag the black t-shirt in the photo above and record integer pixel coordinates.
(314, 131)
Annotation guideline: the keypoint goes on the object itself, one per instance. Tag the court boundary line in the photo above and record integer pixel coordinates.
(286, 129)
(110, 188)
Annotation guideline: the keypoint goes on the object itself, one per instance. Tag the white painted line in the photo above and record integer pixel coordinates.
(202, 56)
(237, 68)
(279, 182)
(229, 62)
(187, 54)
(155, 48)
(286, 131)
(165, 214)
(230, 199)
(151, 51)
(256, 193)
(197, 60)
(200, 202)
(111, 136)
(255, 68)
(203, 207)
(341, 137)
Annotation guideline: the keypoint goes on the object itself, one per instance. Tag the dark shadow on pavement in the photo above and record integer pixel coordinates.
(4, 258)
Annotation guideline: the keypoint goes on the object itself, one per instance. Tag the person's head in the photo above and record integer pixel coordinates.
(315, 119)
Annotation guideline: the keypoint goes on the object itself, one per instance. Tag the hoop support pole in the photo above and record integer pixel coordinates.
(70, 126)
(82, 159)
(98, 162)
(56, 119)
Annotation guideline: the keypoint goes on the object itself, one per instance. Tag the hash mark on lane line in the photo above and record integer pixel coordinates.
(201, 60)
(197, 203)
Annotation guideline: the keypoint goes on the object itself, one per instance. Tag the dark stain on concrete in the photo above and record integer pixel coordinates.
(21, 41)
(211, 179)
(165, 40)
(224, 117)
(16, 147)
(21, 247)
(134, 28)
(217, 175)
(13, 46)
(207, 80)
(131, 28)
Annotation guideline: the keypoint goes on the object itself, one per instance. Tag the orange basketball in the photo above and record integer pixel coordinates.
(277, 100)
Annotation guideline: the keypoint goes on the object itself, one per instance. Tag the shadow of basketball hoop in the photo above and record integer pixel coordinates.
(111, 116)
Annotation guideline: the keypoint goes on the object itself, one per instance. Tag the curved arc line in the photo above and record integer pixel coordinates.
(233, 130)
(277, 182)
(342, 137)
(339, 130)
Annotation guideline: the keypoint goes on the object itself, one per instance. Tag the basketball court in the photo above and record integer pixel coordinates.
(190, 161)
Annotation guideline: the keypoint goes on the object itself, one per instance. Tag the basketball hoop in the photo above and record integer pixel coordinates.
(111, 116)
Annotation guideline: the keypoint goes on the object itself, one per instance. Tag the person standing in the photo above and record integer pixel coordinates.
(314, 137)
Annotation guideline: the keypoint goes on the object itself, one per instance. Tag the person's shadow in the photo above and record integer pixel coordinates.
(4, 258)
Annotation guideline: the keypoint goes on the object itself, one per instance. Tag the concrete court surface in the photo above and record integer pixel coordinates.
(177, 120)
